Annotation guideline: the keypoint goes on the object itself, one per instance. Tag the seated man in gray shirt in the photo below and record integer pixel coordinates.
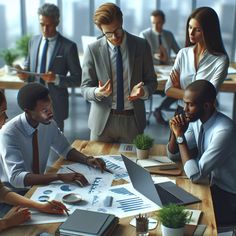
(204, 140)
(24, 152)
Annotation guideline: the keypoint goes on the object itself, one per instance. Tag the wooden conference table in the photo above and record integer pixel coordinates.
(123, 229)
(10, 81)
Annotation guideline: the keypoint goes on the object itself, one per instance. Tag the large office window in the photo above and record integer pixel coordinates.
(32, 22)
(176, 17)
(77, 18)
(136, 16)
(10, 26)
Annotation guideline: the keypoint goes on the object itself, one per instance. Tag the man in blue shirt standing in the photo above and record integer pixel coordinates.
(204, 140)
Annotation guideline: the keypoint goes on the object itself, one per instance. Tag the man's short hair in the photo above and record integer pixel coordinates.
(50, 10)
(29, 95)
(204, 89)
(106, 14)
(159, 13)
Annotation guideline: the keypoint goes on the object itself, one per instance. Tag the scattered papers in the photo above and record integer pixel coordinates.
(126, 201)
(115, 164)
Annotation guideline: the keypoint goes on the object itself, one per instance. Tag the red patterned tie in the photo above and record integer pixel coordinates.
(35, 166)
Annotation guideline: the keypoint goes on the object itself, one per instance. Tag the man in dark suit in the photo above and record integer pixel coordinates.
(56, 59)
(118, 75)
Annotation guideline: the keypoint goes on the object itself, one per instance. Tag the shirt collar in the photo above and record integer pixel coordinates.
(210, 121)
(28, 128)
(156, 33)
(122, 44)
(51, 39)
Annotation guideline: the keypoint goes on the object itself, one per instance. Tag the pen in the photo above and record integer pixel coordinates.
(67, 213)
(109, 171)
(71, 169)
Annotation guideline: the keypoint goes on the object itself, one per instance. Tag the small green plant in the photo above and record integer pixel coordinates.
(143, 142)
(9, 56)
(173, 216)
(22, 45)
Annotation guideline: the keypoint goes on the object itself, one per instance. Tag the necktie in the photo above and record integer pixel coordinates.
(35, 165)
(159, 40)
(44, 60)
(201, 141)
(119, 80)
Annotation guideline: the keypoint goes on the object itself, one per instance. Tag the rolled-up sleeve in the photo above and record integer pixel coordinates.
(3, 192)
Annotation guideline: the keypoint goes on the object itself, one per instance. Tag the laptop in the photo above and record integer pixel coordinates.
(162, 193)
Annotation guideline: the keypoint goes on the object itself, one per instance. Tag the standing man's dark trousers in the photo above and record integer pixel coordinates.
(224, 206)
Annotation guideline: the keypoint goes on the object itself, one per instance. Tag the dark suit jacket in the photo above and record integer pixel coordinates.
(169, 43)
(64, 59)
(96, 66)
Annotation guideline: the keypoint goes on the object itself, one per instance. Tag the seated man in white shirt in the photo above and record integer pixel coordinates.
(209, 152)
(21, 167)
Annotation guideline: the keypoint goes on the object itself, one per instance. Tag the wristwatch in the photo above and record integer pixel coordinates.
(179, 139)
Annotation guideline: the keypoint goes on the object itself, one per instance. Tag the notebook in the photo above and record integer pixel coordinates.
(88, 223)
(163, 193)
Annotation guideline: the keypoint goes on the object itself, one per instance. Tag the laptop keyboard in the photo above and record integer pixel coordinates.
(166, 197)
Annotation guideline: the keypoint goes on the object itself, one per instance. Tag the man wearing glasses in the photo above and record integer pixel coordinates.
(118, 75)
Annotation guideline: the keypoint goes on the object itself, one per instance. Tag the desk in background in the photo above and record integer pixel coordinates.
(123, 229)
(10, 81)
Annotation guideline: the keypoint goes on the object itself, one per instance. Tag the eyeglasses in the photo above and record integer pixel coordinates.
(118, 32)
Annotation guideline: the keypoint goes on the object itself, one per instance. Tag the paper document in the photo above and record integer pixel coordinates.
(26, 72)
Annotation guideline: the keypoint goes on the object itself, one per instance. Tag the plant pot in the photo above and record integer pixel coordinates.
(142, 154)
(166, 231)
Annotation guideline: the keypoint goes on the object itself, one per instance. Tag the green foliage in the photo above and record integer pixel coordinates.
(143, 142)
(9, 56)
(173, 216)
(22, 45)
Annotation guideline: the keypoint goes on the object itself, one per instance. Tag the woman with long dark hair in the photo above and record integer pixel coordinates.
(204, 55)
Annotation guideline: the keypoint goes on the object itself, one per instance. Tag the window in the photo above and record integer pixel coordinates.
(75, 20)
(10, 24)
(136, 16)
(176, 19)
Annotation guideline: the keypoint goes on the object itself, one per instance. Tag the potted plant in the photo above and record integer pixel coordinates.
(9, 56)
(22, 45)
(173, 219)
(143, 144)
